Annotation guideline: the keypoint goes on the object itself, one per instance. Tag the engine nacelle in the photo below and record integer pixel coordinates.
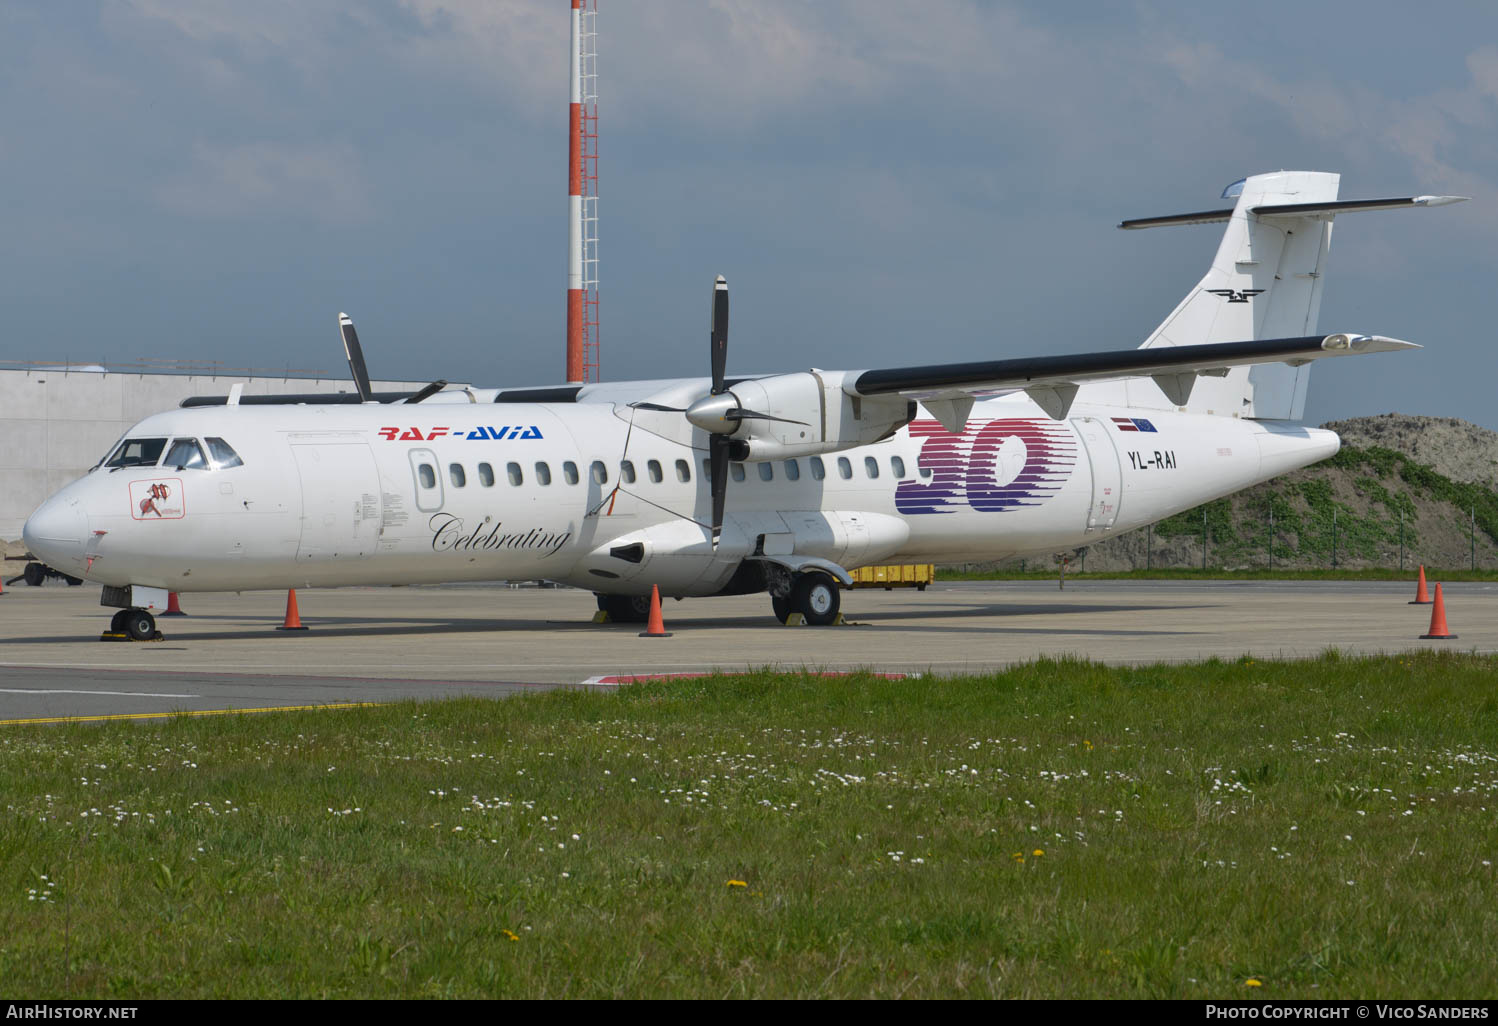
(814, 415)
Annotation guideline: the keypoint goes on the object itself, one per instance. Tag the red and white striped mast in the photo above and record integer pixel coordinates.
(582, 197)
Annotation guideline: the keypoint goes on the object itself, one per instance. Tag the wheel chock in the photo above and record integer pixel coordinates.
(799, 620)
(122, 636)
(602, 616)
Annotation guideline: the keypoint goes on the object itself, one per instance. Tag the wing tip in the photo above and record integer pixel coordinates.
(1351, 342)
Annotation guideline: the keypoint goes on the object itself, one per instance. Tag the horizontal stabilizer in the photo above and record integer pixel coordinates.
(1201, 217)
(1294, 210)
(1348, 206)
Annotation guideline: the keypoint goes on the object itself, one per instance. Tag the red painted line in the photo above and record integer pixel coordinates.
(273, 676)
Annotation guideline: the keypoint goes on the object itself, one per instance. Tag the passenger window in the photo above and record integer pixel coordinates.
(897, 466)
(871, 467)
(818, 471)
(767, 471)
(569, 472)
(456, 475)
(486, 475)
(137, 452)
(792, 470)
(427, 474)
(627, 471)
(844, 468)
(222, 454)
(654, 469)
(924, 471)
(543, 473)
(599, 471)
(683, 471)
(512, 471)
(186, 454)
(736, 471)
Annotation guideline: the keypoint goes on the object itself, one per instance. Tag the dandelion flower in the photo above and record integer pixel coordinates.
(509, 936)
(736, 883)
(1037, 852)
(1251, 982)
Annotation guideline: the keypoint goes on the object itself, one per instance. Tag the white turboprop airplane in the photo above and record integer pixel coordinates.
(718, 486)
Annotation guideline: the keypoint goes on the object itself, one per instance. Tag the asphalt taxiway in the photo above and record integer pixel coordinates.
(384, 644)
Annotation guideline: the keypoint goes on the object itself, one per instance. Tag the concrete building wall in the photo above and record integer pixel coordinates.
(57, 423)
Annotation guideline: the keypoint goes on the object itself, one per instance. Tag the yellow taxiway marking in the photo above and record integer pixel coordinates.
(190, 712)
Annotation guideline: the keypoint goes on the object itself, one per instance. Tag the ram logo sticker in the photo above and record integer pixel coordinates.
(157, 500)
(1236, 296)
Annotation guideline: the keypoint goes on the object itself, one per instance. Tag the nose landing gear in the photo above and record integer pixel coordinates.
(622, 608)
(132, 625)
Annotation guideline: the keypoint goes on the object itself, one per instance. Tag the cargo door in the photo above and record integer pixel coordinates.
(341, 507)
(1107, 474)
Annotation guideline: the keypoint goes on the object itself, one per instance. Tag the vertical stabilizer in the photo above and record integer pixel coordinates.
(1265, 282)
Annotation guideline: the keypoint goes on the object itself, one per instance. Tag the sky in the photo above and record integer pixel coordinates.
(883, 183)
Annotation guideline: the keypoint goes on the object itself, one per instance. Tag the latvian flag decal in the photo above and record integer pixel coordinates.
(1133, 424)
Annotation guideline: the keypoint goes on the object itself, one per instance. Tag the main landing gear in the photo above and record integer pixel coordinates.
(132, 625)
(815, 596)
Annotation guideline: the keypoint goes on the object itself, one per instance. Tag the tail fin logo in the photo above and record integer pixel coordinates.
(1235, 295)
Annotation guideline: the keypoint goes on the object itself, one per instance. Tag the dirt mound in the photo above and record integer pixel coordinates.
(1403, 489)
(1452, 448)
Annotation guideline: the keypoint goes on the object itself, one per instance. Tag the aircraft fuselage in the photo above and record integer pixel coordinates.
(590, 495)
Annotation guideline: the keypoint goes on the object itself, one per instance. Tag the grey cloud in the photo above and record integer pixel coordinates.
(318, 180)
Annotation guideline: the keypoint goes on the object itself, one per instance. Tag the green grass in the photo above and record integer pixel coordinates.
(1218, 574)
(1327, 827)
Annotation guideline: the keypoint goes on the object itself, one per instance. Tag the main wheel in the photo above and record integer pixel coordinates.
(117, 621)
(34, 574)
(782, 606)
(817, 598)
(140, 625)
(626, 608)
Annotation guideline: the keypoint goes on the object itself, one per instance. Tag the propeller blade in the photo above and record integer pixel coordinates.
(719, 338)
(718, 446)
(742, 414)
(427, 392)
(355, 356)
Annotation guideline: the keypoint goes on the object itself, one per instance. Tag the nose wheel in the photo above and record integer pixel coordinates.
(624, 608)
(132, 625)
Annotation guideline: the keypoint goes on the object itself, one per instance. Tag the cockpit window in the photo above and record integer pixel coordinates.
(137, 452)
(186, 454)
(222, 454)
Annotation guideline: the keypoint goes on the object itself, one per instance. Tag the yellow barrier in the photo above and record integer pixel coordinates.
(899, 575)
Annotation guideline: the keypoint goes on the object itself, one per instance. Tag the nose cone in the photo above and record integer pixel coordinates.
(57, 533)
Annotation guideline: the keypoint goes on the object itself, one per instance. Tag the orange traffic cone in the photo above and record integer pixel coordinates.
(293, 617)
(656, 628)
(1422, 597)
(172, 608)
(1438, 629)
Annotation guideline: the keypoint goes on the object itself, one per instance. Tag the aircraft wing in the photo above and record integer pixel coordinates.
(1051, 381)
